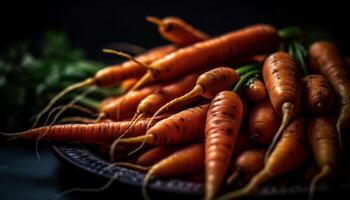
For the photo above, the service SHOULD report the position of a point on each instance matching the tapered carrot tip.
(148, 138)
(325, 171)
(154, 20)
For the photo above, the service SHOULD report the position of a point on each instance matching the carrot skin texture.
(255, 91)
(125, 106)
(263, 122)
(224, 118)
(290, 152)
(156, 154)
(283, 81)
(114, 74)
(323, 139)
(251, 40)
(128, 84)
(318, 94)
(90, 133)
(249, 163)
(327, 60)
(178, 31)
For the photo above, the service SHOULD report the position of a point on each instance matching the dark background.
(93, 24)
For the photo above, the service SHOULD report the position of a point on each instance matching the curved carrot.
(156, 154)
(247, 164)
(327, 60)
(322, 135)
(283, 83)
(318, 94)
(251, 40)
(223, 122)
(112, 75)
(123, 107)
(183, 127)
(178, 31)
(290, 152)
(255, 90)
(263, 122)
(150, 104)
(207, 85)
(182, 162)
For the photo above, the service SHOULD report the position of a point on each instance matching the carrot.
(322, 135)
(255, 90)
(207, 85)
(223, 122)
(90, 133)
(182, 162)
(183, 127)
(128, 84)
(112, 75)
(251, 40)
(177, 31)
(318, 94)
(247, 164)
(290, 152)
(283, 83)
(327, 60)
(263, 122)
(124, 107)
(242, 143)
(150, 104)
(156, 154)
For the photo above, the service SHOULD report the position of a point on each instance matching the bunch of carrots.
(238, 110)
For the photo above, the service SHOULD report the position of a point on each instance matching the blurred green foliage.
(28, 81)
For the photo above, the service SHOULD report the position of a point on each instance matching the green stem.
(300, 58)
(291, 32)
(246, 68)
(89, 102)
(243, 79)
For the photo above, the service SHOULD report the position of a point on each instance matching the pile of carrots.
(232, 111)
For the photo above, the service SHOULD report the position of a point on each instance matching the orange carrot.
(322, 135)
(247, 164)
(207, 85)
(251, 40)
(124, 107)
(263, 122)
(127, 84)
(223, 122)
(154, 101)
(327, 60)
(255, 90)
(90, 133)
(183, 127)
(290, 152)
(182, 162)
(283, 83)
(112, 75)
(177, 31)
(156, 154)
(318, 94)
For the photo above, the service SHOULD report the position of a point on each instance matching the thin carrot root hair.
(134, 120)
(257, 180)
(77, 119)
(145, 182)
(77, 189)
(233, 177)
(131, 166)
(196, 91)
(64, 108)
(87, 82)
(325, 171)
(148, 77)
(287, 109)
(75, 107)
